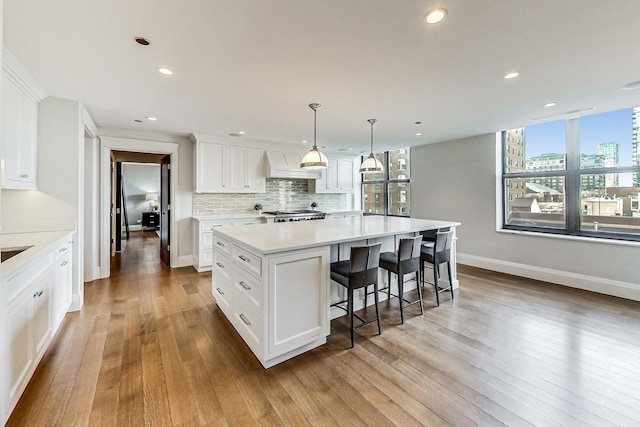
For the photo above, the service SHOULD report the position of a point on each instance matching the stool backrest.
(365, 257)
(409, 248)
(443, 245)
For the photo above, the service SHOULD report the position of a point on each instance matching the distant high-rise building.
(635, 142)
(514, 158)
(610, 151)
(548, 162)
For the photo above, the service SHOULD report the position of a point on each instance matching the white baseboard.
(184, 261)
(574, 280)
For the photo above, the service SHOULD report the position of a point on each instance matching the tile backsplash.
(281, 194)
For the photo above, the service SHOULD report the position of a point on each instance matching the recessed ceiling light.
(165, 71)
(511, 75)
(434, 16)
(551, 104)
(153, 119)
(142, 41)
(419, 134)
(304, 141)
(631, 86)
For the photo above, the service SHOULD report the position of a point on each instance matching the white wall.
(456, 180)
(139, 179)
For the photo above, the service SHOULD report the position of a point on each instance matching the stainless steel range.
(296, 215)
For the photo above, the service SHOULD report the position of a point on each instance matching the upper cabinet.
(339, 178)
(222, 168)
(20, 99)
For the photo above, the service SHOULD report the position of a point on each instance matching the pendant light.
(371, 164)
(314, 159)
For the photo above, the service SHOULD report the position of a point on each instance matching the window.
(577, 176)
(388, 193)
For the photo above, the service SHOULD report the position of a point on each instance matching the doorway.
(140, 194)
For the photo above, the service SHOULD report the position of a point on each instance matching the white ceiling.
(254, 66)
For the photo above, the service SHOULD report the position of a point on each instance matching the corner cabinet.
(339, 178)
(223, 168)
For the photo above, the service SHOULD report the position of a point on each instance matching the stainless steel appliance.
(296, 215)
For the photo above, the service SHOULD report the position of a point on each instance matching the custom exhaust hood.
(287, 165)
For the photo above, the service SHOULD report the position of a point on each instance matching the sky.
(615, 126)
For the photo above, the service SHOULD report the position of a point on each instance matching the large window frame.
(384, 180)
(573, 176)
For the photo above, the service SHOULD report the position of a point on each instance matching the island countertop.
(280, 237)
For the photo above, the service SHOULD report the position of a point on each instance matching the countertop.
(273, 238)
(39, 242)
(214, 217)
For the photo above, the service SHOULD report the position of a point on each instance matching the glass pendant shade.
(314, 159)
(371, 164)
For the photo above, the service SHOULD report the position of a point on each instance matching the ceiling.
(254, 66)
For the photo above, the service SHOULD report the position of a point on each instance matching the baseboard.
(574, 280)
(184, 261)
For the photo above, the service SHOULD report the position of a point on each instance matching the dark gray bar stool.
(406, 260)
(438, 254)
(360, 271)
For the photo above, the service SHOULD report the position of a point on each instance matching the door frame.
(107, 144)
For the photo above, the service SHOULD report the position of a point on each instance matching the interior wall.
(139, 180)
(457, 180)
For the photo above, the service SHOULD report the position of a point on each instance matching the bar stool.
(438, 254)
(406, 260)
(360, 271)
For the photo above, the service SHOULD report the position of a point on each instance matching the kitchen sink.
(8, 253)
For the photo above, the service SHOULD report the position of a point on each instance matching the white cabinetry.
(222, 168)
(204, 240)
(279, 304)
(20, 98)
(62, 282)
(28, 325)
(339, 178)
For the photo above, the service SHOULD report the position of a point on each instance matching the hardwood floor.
(151, 348)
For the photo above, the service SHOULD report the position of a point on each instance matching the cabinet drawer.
(208, 225)
(248, 261)
(221, 289)
(16, 283)
(248, 288)
(222, 244)
(206, 257)
(249, 324)
(206, 240)
(61, 249)
(222, 265)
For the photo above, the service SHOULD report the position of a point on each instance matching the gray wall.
(456, 180)
(139, 179)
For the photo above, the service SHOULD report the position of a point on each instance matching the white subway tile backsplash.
(281, 194)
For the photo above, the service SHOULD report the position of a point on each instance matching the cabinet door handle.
(220, 244)
(220, 264)
(38, 294)
(24, 175)
(245, 320)
(220, 291)
(244, 258)
(64, 263)
(244, 285)
(62, 249)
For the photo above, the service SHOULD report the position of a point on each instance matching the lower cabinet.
(203, 238)
(34, 300)
(279, 304)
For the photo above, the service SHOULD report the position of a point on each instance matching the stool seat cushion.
(389, 260)
(340, 272)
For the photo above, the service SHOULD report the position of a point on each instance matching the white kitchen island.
(272, 280)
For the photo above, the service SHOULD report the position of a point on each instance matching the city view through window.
(593, 191)
(388, 192)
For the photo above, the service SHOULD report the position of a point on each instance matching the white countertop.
(39, 242)
(229, 216)
(280, 237)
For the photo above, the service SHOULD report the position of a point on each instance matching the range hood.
(286, 165)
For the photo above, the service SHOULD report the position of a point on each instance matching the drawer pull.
(220, 264)
(220, 291)
(244, 258)
(244, 285)
(24, 175)
(245, 320)
(64, 263)
(220, 244)
(62, 249)
(38, 294)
